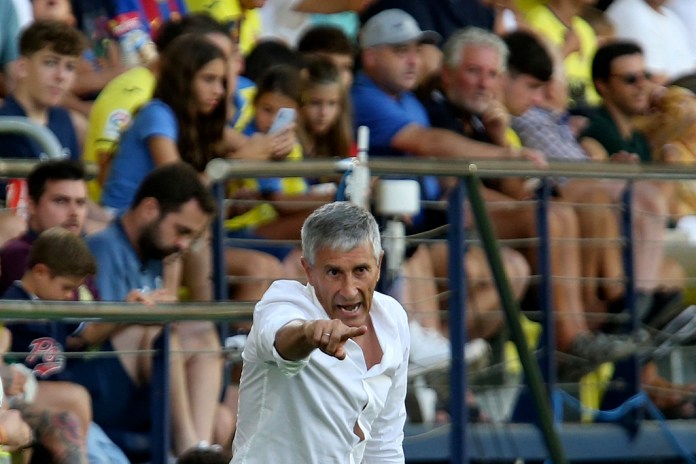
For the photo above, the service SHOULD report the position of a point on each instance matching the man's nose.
(348, 287)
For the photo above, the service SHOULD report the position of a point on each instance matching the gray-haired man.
(331, 355)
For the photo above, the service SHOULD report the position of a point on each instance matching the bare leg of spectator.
(65, 396)
(254, 270)
(59, 432)
(203, 364)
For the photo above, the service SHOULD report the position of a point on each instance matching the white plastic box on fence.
(397, 197)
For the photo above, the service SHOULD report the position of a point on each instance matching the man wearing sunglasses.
(621, 79)
(619, 75)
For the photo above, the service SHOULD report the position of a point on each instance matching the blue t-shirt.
(386, 116)
(133, 161)
(20, 146)
(119, 268)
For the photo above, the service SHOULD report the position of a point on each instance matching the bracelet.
(3, 435)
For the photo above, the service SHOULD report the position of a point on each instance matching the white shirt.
(305, 411)
(661, 35)
(686, 12)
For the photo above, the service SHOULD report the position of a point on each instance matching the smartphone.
(284, 117)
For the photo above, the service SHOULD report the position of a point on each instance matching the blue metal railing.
(468, 172)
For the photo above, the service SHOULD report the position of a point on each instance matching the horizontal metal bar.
(21, 168)
(126, 312)
(41, 134)
(483, 168)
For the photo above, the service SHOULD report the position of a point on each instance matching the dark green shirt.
(603, 129)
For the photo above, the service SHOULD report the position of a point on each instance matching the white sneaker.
(431, 350)
(428, 346)
(234, 346)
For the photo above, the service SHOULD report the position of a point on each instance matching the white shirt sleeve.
(280, 306)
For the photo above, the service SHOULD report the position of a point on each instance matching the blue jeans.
(100, 448)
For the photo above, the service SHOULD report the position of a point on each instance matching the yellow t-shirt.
(112, 112)
(244, 107)
(578, 65)
(245, 25)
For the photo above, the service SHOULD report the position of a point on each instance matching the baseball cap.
(394, 26)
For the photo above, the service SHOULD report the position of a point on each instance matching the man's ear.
(446, 77)
(31, 207)
(150, 208)
(41, 270)
(20, 68)
(379, 265)
(600, 87)
(369, 57)
(305, 265)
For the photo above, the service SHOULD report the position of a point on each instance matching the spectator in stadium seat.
(171, 208)
(45, 72)
(331, 43)
(474, 72)
(560, 22)
(60, 413)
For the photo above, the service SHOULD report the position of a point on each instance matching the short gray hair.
(473, 37)
(339, 226)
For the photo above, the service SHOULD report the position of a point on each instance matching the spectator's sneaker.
(430, 350)
(234, 345)
(589, 350)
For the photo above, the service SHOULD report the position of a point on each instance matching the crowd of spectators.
(152, 91)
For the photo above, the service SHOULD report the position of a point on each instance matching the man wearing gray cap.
(383, 101)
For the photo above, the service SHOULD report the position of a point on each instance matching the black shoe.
(589, 350)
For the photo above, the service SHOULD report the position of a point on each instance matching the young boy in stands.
(43, 74)
(60, 413)
(45, 71)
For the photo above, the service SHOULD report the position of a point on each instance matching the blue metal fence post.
(629, 370)
(633, 373)
(548, 357)
(457, 325)
(160, 440)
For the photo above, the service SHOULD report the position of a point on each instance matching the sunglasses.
(633, 78)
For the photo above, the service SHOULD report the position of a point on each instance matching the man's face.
(55, 288)
(627, 89)
(344, 282)
(475, 82)
(63, 203)
(393, 67)
(522, 92)
(48, 76)
(174, 232)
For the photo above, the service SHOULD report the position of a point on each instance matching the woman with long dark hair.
(184, 121)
